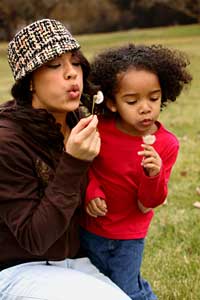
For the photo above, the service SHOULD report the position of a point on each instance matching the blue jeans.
(72, 279)
(120, 260)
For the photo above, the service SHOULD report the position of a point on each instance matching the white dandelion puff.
(149, 139)
(97, 99)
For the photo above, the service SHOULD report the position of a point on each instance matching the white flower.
(98, 98)
(149, 139)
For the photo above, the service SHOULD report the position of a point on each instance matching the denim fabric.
(71, 279)
(120, 260)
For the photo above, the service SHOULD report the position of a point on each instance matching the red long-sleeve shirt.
(117, 176)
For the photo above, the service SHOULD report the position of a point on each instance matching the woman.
(45, 152)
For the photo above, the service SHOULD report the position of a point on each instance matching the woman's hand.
(84, 141)
(151, 161)
(96, 208)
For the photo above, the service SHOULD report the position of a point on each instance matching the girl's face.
(137, 102)
(57, 86)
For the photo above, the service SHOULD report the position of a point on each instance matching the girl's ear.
(111, 105)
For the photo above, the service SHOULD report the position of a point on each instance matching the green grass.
(172, 252)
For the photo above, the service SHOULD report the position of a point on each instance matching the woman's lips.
(74, 92)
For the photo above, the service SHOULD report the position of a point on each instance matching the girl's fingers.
(97, 210)
(101, 204)
(95, 207)
(151, 160)
(90, 213)
(148, 151)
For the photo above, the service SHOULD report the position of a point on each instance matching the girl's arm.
(153, 189)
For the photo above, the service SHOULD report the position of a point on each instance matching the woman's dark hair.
(21, 91)
(39, 123)
(23, 96)
(168, 65)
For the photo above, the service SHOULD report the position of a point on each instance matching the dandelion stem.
(93, 104)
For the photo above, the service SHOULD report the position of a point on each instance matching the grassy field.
(172, 253)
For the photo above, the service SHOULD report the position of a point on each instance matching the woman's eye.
(76, 63)
(53, 66)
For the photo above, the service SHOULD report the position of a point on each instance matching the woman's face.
(58, 85)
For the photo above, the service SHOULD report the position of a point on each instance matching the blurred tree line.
(90, 16)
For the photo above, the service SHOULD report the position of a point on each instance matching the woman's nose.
(70, 73)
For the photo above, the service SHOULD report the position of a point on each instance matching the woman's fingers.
(84, 140)
(85, 127)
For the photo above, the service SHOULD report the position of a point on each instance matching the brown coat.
(39, 197)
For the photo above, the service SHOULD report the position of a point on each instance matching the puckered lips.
(74, 91)
(146, 122)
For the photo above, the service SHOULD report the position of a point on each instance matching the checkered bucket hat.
(37, 44)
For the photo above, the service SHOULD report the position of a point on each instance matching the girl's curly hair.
(169, 65)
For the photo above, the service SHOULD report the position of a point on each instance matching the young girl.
(130, 175)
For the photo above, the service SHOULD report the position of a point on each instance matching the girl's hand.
(142, 208)
(96, 207)
(84, 141)
(151, 161)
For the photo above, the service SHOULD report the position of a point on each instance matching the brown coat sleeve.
(36, 222)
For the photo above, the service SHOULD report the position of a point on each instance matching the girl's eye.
(131, 102)
(154, 98)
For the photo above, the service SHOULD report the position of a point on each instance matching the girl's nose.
(144, 108)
